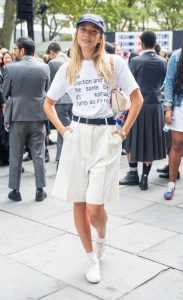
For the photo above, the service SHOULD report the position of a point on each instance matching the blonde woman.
(88, 172)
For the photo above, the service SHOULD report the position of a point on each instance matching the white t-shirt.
(91, 94)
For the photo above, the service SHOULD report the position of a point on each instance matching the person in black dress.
(146, 140)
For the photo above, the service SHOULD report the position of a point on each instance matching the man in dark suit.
(26, 83)
(64, 105)
(146, 139)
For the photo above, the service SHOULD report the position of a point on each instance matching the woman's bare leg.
(82, 224)
(86, 214)
(175, 155)
(98, 218)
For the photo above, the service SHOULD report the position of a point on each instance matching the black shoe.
(27, 158)
(22, 170)
(50, 142)
(132, 178)
(15, 196)
(57, 162)
(163, 170)
(143, 184)
(47, 157)
(40, 195)
(123, 152)
(166, 175)
(4, 163)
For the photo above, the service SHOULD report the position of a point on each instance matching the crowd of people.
(73, 91)
(5, 58)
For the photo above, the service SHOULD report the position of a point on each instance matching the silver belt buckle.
(87, 122)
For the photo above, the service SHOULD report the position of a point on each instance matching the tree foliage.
(60, 13)
(8, 23)
(169, 14)
(119, 15)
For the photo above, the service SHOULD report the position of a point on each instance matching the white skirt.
(177, 123)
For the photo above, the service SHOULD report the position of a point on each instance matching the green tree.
(119, 15)
(142, 14)
(70, 11)
(168, 14)
(8, 23)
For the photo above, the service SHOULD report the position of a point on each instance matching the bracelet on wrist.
(123, 134)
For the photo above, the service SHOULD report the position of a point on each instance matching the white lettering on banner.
(91, 91)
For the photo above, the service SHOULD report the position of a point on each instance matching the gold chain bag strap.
(120, 101)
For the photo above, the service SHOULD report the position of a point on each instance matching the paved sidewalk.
(41, 256)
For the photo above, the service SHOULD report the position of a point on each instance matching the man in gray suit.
(64, 105)
(26, 83)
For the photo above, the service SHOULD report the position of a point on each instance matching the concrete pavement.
(41, 256)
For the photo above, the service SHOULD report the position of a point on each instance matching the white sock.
(91, 255)
(133, 169)
(171, 184)
(101, 241)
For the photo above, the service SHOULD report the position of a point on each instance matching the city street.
(41, 256)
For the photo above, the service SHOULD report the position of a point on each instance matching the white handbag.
(120, 101)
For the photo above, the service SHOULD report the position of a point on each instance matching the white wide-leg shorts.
(89, 165)
(177, 123)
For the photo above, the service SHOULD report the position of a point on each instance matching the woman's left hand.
(3, 108)
(119, 133)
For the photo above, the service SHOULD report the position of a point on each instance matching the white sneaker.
(100, 249)
(93, 271)
(168, 195)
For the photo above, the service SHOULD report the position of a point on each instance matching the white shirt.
(91, 94)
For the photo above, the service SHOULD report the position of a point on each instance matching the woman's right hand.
(64, 129)
(168, 117)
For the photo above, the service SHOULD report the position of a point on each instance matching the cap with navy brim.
(94, 19)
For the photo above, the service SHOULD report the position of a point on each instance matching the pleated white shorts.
(89, 165)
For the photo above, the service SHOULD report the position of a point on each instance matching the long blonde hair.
(101, 64)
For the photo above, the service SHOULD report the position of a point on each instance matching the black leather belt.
(106, 121)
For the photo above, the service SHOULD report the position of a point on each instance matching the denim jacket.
(172, 99)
